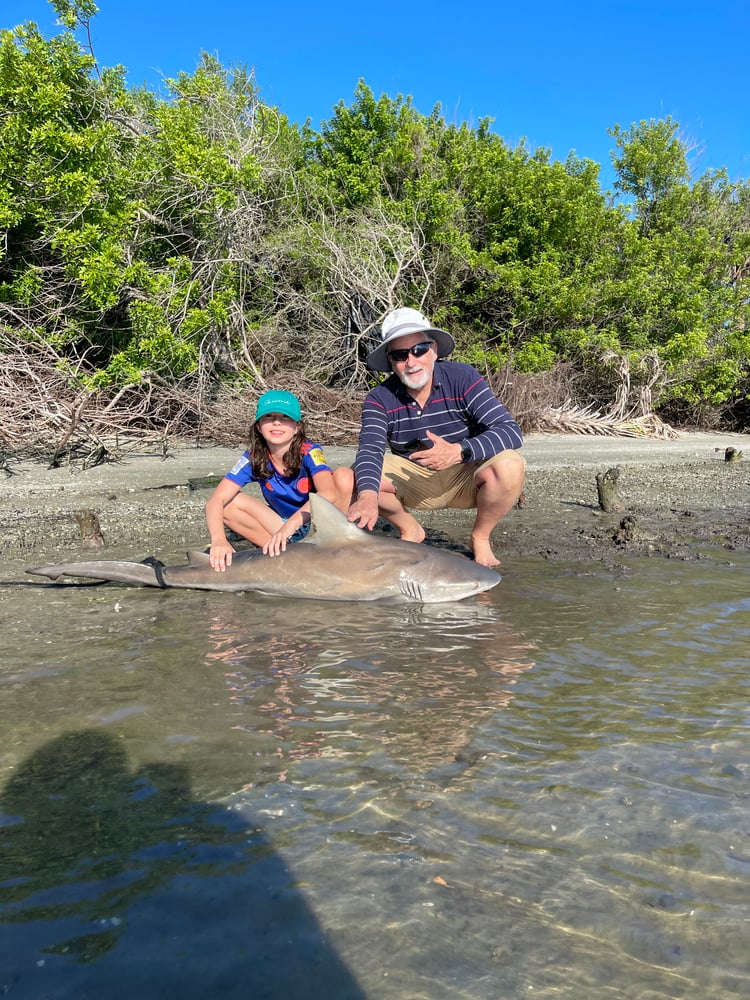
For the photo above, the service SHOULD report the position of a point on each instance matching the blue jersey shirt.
(284, 494)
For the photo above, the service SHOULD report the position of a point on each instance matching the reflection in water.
(416, 680)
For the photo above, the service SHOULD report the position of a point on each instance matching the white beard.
(416, 381)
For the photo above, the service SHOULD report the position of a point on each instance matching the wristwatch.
(466, 454)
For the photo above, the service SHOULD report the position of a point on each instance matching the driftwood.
(606, 486)
(572, 419)
(88, 525)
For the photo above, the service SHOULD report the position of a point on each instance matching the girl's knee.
(343, 483)
(343, 478)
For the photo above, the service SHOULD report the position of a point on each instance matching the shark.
(336, 562)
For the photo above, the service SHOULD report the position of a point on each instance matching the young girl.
(285, 464)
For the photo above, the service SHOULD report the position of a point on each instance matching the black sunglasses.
(419, 350)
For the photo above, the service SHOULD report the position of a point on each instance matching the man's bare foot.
(415, 535)
(408, 527)
(483, 553)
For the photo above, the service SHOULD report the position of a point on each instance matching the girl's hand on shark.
(277, 542)
(220, 556)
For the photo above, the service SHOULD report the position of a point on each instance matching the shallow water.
(543, 791)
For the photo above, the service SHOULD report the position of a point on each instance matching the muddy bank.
(680, 499)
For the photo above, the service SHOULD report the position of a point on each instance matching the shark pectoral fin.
(330, 525)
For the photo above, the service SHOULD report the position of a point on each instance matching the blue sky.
(558, 74)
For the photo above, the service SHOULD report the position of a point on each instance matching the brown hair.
(260, 457)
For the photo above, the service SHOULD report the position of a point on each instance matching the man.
(452, 442)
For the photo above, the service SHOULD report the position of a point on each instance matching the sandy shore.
(681, 499)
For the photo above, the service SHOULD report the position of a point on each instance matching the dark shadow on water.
(120, 884)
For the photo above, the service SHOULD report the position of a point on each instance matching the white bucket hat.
(400, 323)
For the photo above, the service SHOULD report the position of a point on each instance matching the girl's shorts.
(300, 533)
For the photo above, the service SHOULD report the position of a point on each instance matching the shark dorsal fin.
(197, 557)
(330, 525)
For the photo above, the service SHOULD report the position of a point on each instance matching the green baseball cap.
(279, 402)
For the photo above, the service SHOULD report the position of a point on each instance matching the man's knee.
(387, 487)
(508, 469)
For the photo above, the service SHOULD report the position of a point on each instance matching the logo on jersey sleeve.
(317, 456)
(240, 465)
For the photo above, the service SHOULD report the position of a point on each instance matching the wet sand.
(681, 499)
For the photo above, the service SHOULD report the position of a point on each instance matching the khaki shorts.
(422, 489)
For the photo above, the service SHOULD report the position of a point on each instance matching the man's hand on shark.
(364, 511)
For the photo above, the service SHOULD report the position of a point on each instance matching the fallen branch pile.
(50, 411)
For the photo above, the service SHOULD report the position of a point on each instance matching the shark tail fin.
(113, 571)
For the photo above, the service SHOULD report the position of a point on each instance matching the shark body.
(337, 562)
